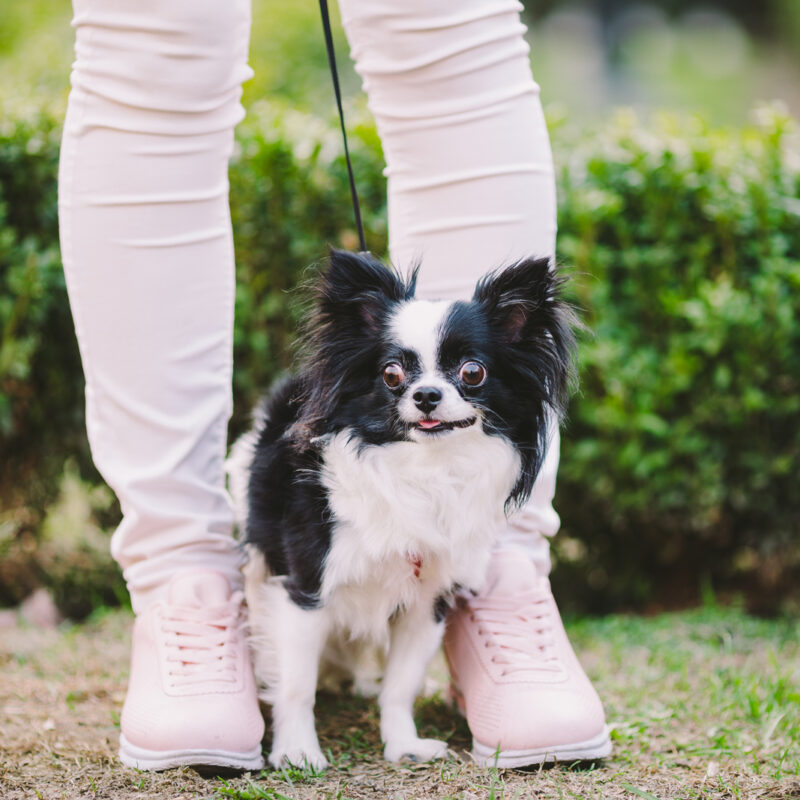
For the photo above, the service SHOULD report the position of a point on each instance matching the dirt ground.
(703, 705)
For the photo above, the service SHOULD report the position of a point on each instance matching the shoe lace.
(201, 642)
(519, 630)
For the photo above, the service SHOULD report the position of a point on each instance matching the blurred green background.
(679, 209)
(719, 57)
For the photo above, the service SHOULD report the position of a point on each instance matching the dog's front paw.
(415, 750)
(302, 757)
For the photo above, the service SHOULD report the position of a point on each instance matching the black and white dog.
(376, 480)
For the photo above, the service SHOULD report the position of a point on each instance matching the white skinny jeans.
(147, 244)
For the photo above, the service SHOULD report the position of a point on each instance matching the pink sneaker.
(515, 676)
(191, 695)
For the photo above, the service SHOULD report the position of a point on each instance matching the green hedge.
(680, 454)
(681, 458)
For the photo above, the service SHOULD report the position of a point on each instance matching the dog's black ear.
(520, 298)
(353, 299)
(359, 289)
(529, 316)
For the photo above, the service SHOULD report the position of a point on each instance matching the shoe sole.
(153, 760)
(597, 747)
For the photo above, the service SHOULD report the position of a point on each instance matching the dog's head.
(393, 368)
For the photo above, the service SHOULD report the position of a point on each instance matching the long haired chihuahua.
(376, 480)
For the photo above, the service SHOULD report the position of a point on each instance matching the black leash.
(326, 24)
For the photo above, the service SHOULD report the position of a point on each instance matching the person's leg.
(471, 188)
(470, 173)
(148, 255)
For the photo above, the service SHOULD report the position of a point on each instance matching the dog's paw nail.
(416, 752)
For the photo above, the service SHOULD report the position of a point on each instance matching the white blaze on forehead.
(416, 326)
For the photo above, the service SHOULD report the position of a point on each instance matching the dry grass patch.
(704, 704)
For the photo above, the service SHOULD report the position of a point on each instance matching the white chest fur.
(438, 502)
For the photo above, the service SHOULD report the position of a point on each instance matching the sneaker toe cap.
(211, 722)
(534, 718)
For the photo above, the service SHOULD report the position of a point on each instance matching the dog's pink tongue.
(429, 423)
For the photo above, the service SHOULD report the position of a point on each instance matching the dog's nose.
(427, 398)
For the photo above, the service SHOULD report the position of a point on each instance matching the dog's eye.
(472, 373)
(393, 375)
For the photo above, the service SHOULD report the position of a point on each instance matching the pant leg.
(470, 172)
(148, 255)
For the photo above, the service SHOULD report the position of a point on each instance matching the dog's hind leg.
(289, 641)
(357, 662)
(415, 637)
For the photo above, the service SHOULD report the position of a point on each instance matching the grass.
(703, 704)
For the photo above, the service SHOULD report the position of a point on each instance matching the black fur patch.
(441, 606)
(288, 518)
